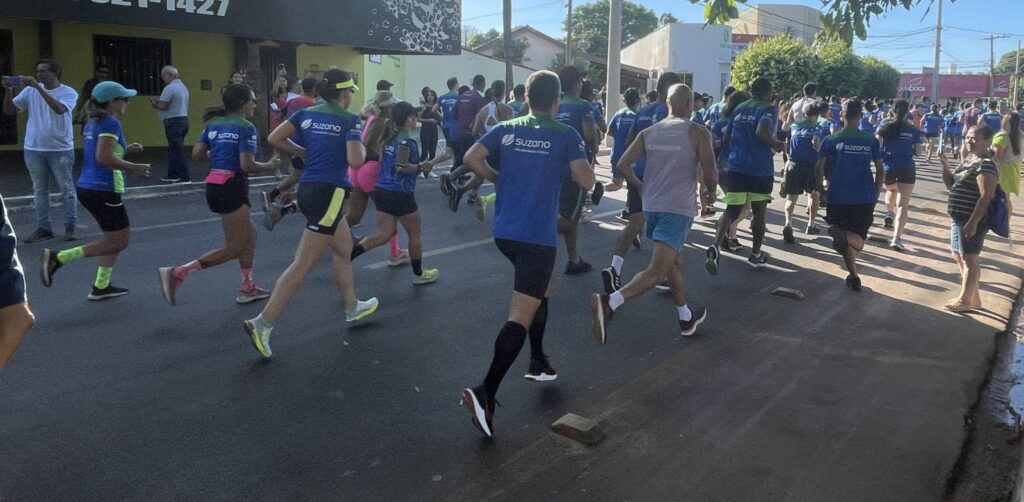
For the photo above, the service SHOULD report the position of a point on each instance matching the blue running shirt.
(228, 138)
(801, 141)
(95, 176)
(835, 111)
(933, 123)
(447, 103)
(535, 156)
(324, 130)
(748, 154)
(574, 112)
(898, 154)
(390, 179)
(992, 119)
(646, 117)
(620, 125)
(852, 154)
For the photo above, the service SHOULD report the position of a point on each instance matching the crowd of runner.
(675, 156)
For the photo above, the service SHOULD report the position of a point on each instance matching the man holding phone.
(172, 106)
(49, 142)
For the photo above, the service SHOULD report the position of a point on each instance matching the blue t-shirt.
(227, 138)
(865, 123)
(851, 154)
(390, 179)
(898, 153)
(535, 156)
(835, 115)
(715, 112)
(992, 119)
(748, 154)
(620, 125)
(801, 141)
(447, 103)
(598, 110)
(516, 105)
(646, 117)
(933, 123)
(697, 117)
(574, 112)
(324, 130)
(952, 123)
(95, 176)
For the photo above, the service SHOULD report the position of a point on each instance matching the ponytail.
(1011, 122)
(892, 130)
(234, 97)
(400, 113)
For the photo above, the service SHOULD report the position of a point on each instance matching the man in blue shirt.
(466, 109)
(804, 140)
(537, 155)
(932, 125)
(447, 102)
(578, 114)
(992, 118)
(951, 133)
(749, 173)
(715, 112)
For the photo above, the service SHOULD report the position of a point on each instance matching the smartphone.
(403, 155)
(13, 80)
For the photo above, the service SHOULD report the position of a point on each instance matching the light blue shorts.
(670, 229)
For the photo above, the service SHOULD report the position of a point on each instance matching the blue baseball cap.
(109, 90)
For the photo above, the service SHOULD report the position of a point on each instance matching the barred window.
(134, 62)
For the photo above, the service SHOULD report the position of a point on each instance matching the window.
(134, 62)
(687, 79)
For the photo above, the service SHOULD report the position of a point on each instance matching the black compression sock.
(273, 193)
(506, 348)
(417, 266)
(540, 321)
(357, 250)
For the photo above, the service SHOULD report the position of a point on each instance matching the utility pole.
(507, 47)
(568, 38)
(992, 62)
(614, 59)
(938, 46)
(1016, 76)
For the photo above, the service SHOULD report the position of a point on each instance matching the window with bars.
(134, 62)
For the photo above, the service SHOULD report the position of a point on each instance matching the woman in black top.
(429, 115)
(971, 188)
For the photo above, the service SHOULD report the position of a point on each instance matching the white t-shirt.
(798, 108)
(47, 131)
(176, 96)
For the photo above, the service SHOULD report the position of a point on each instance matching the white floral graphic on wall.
(417, 25)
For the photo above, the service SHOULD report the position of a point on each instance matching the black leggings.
(428, 136)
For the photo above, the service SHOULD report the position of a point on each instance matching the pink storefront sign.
(954, 86)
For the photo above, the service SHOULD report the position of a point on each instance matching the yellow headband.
(348, 84)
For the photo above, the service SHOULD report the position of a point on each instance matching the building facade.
(798, 21)
(701, 54)
(208, 40)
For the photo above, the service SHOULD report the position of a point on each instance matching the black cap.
(384, 85)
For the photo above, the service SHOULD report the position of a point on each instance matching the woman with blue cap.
(100, 186)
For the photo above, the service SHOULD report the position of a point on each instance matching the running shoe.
(896, 244)
(580, 267)
(732, 245)
(265, 200)
(481, 410)
(787, 235)
(813, 230)
(853, 282)
(612, 282)
(49, 265)
(107, 292)
(839, 241)
(260, 338)
(401, 259)
(446, 183)
(637, 242)
(428, 276)
(623, 216)
(251, 295)
(362, 310)
(454, 197)
(663, 286)
(697, 316)
(712, 263)
(41, 234)
(889, 220)
(540, 371)
(169, 284)
(595, 197)
(759, 260)
(602, 316)
(271, 216)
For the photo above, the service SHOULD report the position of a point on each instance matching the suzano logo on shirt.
(320, 126)
(843, 147)
(222, 136)
(508, 139)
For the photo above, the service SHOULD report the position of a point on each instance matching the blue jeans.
(58, 165)
(176, 129)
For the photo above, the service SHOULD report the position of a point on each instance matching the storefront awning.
(384, 26)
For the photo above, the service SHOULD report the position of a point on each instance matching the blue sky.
(886, 36)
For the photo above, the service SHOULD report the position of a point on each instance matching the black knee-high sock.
(417, 267)
(357, 249)
(506, 348)
(273, 193)
(540, 321)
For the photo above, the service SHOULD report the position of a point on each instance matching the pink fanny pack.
(219, 176)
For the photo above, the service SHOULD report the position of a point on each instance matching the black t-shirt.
(964, 194)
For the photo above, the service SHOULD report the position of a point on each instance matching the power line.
(529, 7)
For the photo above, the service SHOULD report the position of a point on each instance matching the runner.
(486, 119)
(732, 243)
(331, 135)
(715, 112)
(932, 125)
(852, 191)
(835, 113)
(867, 119)
(100, 186)
(465, 111)
(16, 318)
(797, 110)
(618, 129)
(677, 150)
(900, 143)
(518, 98)
(578, 114)
(951, 131)
(538, 155)
(272, 210)
(447, 102)
(992, 118)
(395, 196)
(804, 140)
(1007, 148)
(750, 170)
(971, 187)
(970, 117)
(229, 143)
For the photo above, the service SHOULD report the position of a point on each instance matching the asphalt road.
(841, 396)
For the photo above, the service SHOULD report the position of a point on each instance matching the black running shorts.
(570, 202)
(12, 277)
(229, 197)
(634, 201)
(397, 204)
(106, 207)
(533, 264)
(893, 176)
(800, 177)
(321, 204)
(856, 218)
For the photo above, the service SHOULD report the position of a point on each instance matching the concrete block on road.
(791, 293)
(577, 428)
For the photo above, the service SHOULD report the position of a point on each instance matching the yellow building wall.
(25, 37)
(322, 58)
(390, 68)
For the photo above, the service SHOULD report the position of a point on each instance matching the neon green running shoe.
(428, 276)
(260, 338)
(362, 310)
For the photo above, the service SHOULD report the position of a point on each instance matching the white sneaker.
(401, 259)
(362, 310)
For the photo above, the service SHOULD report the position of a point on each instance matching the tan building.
(801, 22)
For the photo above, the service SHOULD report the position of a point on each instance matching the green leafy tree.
(667, 18)
(786, 62)
(841, 72)
(590, 23)
(881, 80)
(479, 39)
(1006, 65)
(517, 48)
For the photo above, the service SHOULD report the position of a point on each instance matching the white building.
(541, 48)
(800, 22)
(434, 71)
(701, 54)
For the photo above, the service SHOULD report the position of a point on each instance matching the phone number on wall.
(200, 7)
